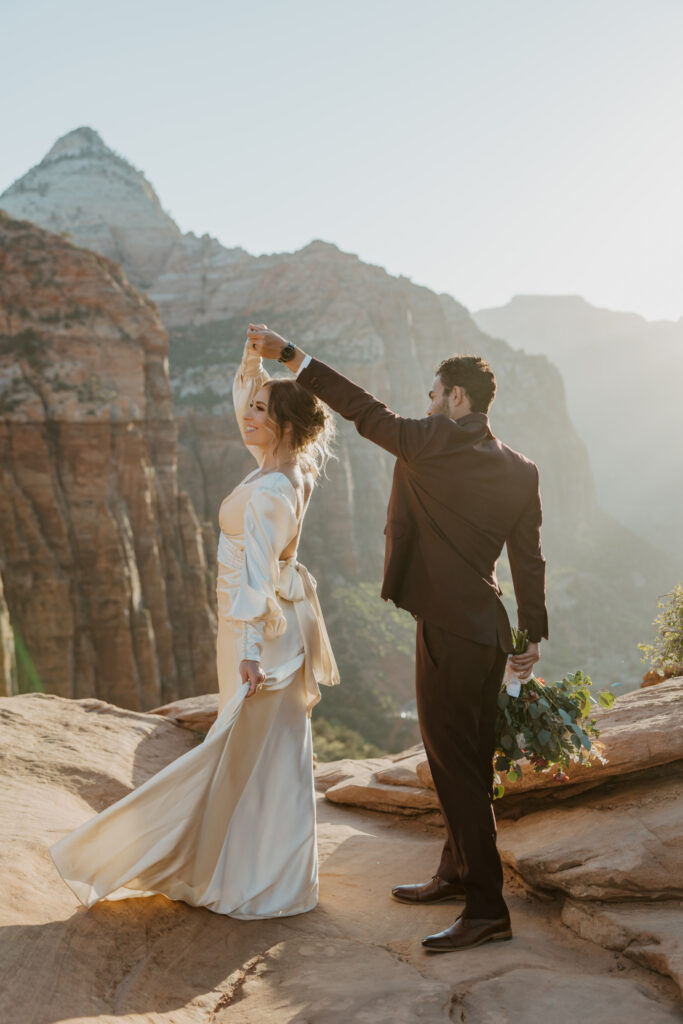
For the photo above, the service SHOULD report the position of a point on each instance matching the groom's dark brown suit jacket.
(458, 495)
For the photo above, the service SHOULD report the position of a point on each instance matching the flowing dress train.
(230, 825)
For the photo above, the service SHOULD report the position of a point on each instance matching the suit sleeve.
(405, 438)
(527, 565)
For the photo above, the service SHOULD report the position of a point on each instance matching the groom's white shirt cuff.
(303, 366)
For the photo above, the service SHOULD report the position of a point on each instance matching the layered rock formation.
(356, 957)
(389, 334)
(103, 561)
(622, 374)
(8, 664)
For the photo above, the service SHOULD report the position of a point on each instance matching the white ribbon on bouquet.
(513, 683)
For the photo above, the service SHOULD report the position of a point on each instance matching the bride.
(230, 825)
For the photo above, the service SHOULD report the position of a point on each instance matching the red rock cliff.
(103, 561)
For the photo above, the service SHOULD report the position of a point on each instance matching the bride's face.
(259, 429)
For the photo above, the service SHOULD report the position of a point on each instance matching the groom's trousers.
(458, 682)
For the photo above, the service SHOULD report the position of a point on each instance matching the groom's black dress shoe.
(466, 934)
(433, 891)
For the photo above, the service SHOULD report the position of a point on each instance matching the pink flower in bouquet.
(561, 777)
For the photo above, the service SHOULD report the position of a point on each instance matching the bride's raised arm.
(250, 378)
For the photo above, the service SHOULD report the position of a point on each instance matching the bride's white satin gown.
(230, 825)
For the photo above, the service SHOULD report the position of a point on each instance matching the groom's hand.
(522, 664)
(269, 345)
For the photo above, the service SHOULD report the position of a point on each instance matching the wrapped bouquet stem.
(548, 724)
(511, 680)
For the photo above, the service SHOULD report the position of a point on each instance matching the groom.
(458, 495)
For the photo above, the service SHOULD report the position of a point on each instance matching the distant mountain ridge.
(570, 321)
(389, 335)
(623, 376)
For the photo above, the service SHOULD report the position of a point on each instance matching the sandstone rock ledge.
(612, 836)
(614, 852)
(356, 958)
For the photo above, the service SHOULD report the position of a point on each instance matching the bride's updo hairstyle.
(312, 424)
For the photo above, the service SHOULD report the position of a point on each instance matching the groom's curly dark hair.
(474, 375)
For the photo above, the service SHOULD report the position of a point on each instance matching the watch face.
(287, 353)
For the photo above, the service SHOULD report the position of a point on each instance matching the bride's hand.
(267, 343)
(252, 673)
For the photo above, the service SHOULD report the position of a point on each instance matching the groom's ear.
(459, 399)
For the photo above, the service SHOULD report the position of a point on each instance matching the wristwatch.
(287, 353)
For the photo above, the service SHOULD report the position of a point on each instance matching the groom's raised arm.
(399, 435)
(403, 437)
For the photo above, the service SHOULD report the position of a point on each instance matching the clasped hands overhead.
(267, 343)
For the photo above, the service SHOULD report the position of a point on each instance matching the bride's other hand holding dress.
(252, 673)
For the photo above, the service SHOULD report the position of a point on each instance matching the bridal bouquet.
(549, 724)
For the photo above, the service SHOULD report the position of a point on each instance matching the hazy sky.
(482, 148)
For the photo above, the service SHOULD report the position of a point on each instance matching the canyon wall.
(103, 561)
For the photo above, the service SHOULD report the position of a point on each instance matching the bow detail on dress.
(290, 585)
(296, 584)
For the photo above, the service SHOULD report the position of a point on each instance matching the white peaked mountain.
(624, 378)
(86, 189)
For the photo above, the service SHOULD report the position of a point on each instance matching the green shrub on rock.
(665, 655)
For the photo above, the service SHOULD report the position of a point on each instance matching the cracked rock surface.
(621, 843)
(356, 958)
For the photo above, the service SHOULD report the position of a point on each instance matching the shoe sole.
(428, 903)
(502, 937)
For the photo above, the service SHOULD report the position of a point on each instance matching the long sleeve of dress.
(270, 524)
(250, 378)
